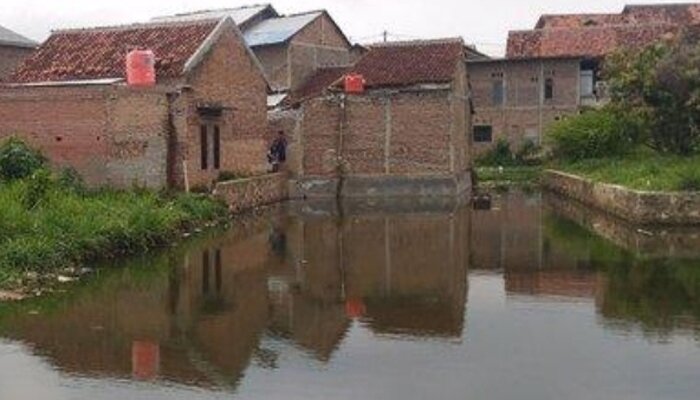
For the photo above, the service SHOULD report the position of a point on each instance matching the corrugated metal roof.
(240, 15)
(9, 38)
(278, 30)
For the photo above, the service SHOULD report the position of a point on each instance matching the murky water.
(502, 299)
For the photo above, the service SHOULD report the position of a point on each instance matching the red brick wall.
(229, 77)
(525, 114)
(121, 136)
(108, 135)
(319, 138)
(385, 134)
(10, 58)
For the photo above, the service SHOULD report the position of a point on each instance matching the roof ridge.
(418, 42)
(659, 5)
(628, 26)
(223, 9)
(303, 13)
(139, 25)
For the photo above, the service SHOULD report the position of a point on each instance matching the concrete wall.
(525, 113)
(110, 135)
(245, 194)
(10, 58)
(643, 208)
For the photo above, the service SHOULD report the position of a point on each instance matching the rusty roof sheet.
(100, 53)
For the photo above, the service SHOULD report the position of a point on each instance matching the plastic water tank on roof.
(354, 83)
(141, 68)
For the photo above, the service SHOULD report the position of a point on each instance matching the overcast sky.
(482, 22)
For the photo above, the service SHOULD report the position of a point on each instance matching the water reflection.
(318, 280)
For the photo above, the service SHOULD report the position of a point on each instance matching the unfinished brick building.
(205, 114)
(555, 70)
(290, 47)
(405, 133)
(14, 48)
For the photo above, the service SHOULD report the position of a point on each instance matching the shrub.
(594, 134)
(37, 187)
(689, 183)
(528, 154)
(18, 161)
(500, 156)
(70, 179)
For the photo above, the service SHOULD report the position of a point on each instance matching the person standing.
(278, 152)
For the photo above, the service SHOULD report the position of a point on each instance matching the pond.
(519, 295)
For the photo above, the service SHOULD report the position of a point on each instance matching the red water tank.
(354, 83)
(141, 68)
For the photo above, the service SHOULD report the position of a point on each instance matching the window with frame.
(498, 92)
(210, 146)
(483, 134)
(549, 88)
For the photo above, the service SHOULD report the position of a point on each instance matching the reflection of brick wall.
(245, 194)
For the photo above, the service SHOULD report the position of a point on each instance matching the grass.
(508, 174)
(641, 170)
(67, 228)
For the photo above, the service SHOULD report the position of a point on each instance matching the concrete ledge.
(649, 241)
(245, 194)
(380, 186)
(638, 207)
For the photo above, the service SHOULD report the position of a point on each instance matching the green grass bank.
(641, 170)
(46, 227)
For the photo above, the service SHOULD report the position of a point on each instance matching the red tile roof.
(682, 14)
(393, 64)
(586, 42)
(100, 52)
(410, 63)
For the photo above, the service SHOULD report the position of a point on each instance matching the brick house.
(555, 70)
(14, 48)
(407, 133)
(206, 113)
(289, 47)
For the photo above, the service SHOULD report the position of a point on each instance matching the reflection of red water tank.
(145, 360)
(141, 68)
(355, 308)
(354, 83)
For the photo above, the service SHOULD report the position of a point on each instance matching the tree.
(661, 84)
